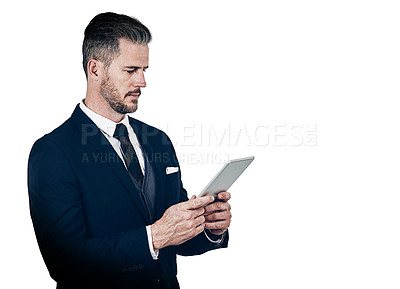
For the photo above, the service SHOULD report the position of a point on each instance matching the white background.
(319, 211)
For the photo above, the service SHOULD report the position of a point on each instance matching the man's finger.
(217, 225)
(217, 206)
(224, 196)
(198, 212)
(218, 216)
(199, 220)
(199, 202)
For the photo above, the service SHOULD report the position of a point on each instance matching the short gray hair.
(101, 41)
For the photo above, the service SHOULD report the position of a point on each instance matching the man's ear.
(93, 69)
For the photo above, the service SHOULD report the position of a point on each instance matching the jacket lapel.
(91, 134)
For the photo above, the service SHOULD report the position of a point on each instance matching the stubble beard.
(112, 96)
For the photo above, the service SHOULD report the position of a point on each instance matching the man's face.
(124, 78)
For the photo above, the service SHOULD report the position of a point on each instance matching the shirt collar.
(104, 124)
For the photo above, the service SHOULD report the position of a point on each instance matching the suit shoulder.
(58, 137)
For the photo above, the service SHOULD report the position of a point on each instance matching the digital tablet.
(229, 173)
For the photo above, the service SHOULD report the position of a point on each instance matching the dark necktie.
(130, 157)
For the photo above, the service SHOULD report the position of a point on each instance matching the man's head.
(115, 56)
(102, 36)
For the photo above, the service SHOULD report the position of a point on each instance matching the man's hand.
(180, 222)
(218, 214)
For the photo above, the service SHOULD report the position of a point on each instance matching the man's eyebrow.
(132, 66)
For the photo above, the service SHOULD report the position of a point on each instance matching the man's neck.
(100, 106)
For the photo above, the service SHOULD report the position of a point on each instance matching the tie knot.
(120, 132)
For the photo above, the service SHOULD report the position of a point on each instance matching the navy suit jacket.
(90, 216)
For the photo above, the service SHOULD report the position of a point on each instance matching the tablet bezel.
(222, 181)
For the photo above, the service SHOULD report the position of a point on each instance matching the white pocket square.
(171, 170)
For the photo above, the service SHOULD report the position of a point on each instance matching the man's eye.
(131, 71)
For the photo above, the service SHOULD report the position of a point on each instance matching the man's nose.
(139, 80)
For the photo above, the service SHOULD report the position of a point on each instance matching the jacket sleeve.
(59, 223)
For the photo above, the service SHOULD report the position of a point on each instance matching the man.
(106, 197)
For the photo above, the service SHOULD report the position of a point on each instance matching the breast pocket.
(173, 179)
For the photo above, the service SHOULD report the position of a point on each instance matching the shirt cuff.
(218, 241)
(154, 253)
